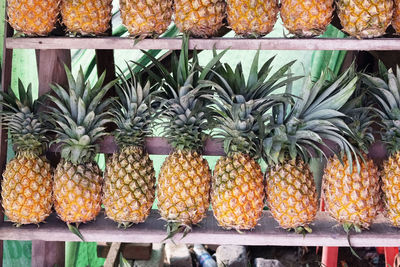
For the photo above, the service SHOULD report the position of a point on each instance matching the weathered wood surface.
(205, 44)
(48, 254)
(156, 146)
(325, 233)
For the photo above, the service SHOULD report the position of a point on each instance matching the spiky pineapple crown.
(79, 116)
(359, 118)
(300, 130)
(132, 111)
(240, 104)
(183, 113)
(22, 119)
(386, 91)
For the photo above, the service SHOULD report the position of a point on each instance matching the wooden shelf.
(157, 146)
(325, 233)
(203, 44)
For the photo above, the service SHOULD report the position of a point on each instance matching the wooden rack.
(53, 52)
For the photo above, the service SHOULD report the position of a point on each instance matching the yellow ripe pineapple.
(306, 18)
(183, 189)
(37, 17)
(27, 180)
(86, 16)
(352, 198)
(78, 118)
(201, 18)
(293, 135)
(386, 90)
(351, 186)
(129, 180)
(365, 18)
(252, 18)
(237, 193)
(143, 17)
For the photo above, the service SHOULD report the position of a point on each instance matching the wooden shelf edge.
(156, 146)
(325, 233)
(203, 44)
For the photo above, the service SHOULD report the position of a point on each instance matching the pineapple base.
(27, 189)
(129, 186)
(252, 18)
(183, 190)
(291, 195)
(350, 197)
(33, 17)
(306, 19)
(237, 192)
(77, 191)
(390, 187)
(199, 18)
(86, 17)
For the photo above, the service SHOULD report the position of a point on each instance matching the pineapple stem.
(347, 228)
(174, 227)
(304, 229)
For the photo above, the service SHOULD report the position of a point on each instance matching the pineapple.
(129, 179)
(252, 18)
(201, 18)
(33, 17)
(184, 181)
(294, 134)
(396, 16)
(387, 93)
(237, 193)
(146, 18)
(86, 16)
(365, 18)
(306, 18)
(352, 193)
(78, 118)
(27, 180)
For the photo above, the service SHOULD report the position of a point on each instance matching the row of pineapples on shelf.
(256, 117)
(204, 18)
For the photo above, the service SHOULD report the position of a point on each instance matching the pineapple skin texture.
(33, 17)
(146, 17)
(390, 186)
(27, 190)
(129, 185)
(86, 16)
(183, 189)
(251, 17)
(365, 18)
(291, 194)
(306, 18)
(396, 16)
(352, 198)
(77, 191)
(201, 18)
(237, 192)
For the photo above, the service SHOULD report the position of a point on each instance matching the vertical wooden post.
(50, 64)
(5, 84)
(48, 254)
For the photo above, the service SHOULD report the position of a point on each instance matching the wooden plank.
(156, 146)
(206, 44)
(48, 254)
(325, 233)
(113, 254)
